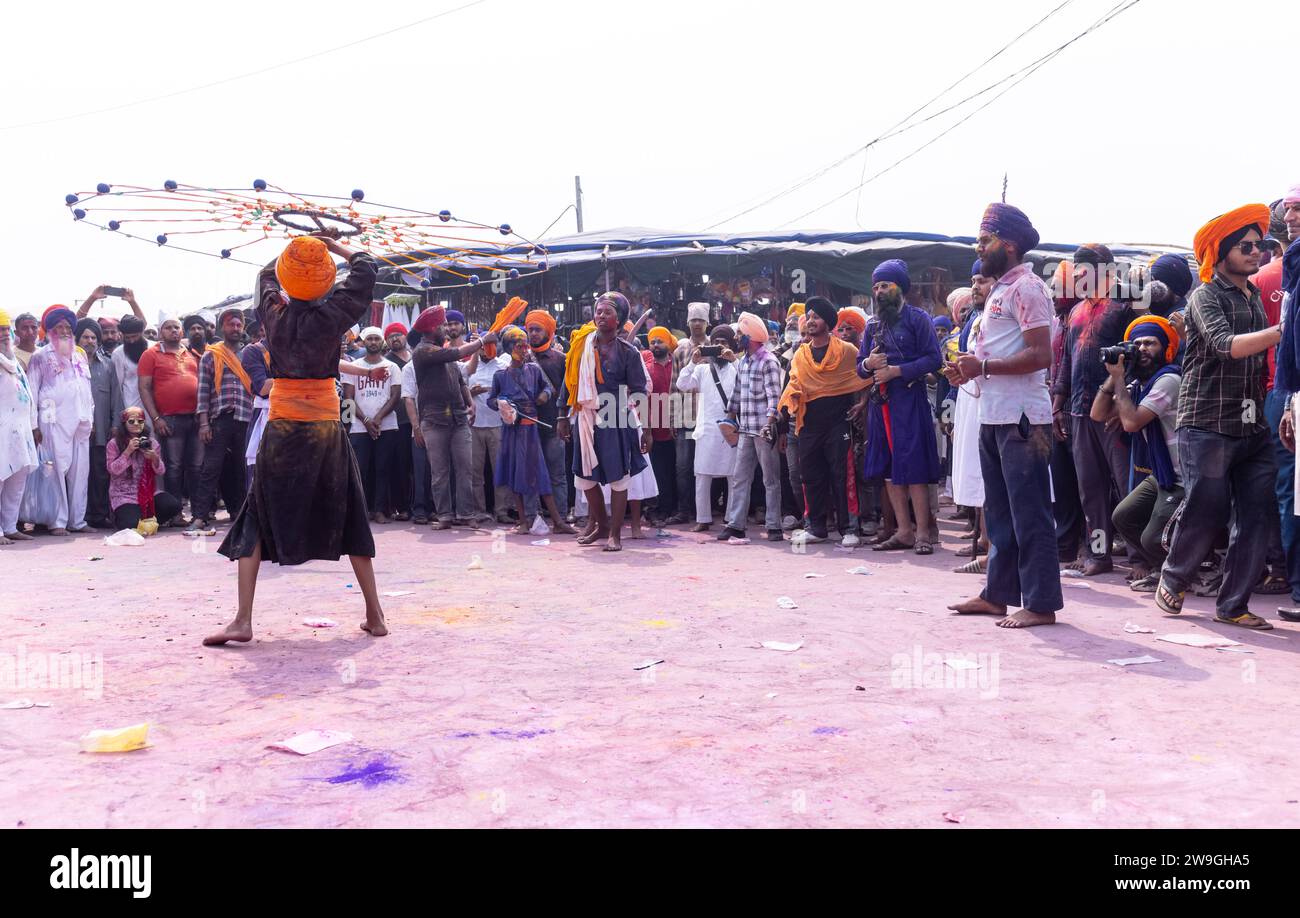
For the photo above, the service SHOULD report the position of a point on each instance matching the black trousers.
(377, 460)
(663, 459)
(401, 489)
(97, 507)
(223, 466)
(823, 452)
(127, 516)
(1066, 509)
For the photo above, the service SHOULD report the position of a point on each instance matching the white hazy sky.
(676, 113)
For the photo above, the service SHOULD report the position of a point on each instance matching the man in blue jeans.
(1013, 351)
(1224, 444)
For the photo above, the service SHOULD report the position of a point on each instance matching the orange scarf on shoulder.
(837, 374)
(224, 358)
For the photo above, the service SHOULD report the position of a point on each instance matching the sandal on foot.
(1167, 601)
(1272, 585)
(892, 544)
(967, 551)
(1246, 620)
(1148, 584)
(923, 547)
(971, 567)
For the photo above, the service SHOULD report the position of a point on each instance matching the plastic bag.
(147, 527)
(44, 491)
(124, 538)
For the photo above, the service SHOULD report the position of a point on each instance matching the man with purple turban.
(898, 351)
(1013, 351)
(59, 377)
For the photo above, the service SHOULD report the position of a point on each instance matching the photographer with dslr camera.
(135, 467)
(1142, 392)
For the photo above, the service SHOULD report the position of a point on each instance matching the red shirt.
(1269, 281)
(661, 382)
(175, 379)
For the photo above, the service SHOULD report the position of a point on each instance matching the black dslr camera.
(1126, 349)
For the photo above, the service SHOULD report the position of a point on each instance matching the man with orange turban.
(663, 419)
(1224, 445)
(1142, 394)
(307, 501)
(540, 326)
(850, 325)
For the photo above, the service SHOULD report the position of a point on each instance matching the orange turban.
(1208, 237)
(305, 268)
(1155, 324)
(659, 333)
(849, 317)
(541, 317)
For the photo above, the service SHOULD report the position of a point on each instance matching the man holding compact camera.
(1142, 394)
(1100, 456)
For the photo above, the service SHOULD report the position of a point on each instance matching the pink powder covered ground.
(511, 695)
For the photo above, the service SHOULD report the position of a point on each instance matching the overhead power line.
(1114, 11)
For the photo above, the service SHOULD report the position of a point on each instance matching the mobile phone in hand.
(118, 292)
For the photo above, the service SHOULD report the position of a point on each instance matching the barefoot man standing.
(1012, 353)
(307, 501)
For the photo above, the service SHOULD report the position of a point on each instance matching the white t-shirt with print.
(372, 393)
(1019, 301)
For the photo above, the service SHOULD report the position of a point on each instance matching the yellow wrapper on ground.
(127, 739)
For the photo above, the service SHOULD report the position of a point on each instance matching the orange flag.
(508, 315)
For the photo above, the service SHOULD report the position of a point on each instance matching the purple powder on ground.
(372, 774)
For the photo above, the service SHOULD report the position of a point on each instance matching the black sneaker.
(775, 535)
(729, 533)
(1290, 615)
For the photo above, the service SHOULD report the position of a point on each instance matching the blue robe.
(912, 346)
(617, 444)
(520, 463)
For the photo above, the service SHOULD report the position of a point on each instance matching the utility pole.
(577, 195)
(1004, 190)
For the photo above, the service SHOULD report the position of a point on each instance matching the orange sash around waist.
(304, 400)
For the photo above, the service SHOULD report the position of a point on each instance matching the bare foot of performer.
(304, 441)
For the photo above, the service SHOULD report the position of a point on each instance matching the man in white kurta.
(714, 456)
(17, 445)
(59, 377)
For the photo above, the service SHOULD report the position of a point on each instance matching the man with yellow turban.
(307, 501)
(1224, 445)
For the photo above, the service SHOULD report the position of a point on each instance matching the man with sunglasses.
(1224, 446)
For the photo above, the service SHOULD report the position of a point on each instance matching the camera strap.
(717, 381)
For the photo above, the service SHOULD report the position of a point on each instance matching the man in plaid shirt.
(753, 408)
(225, 408)
(1224, 444)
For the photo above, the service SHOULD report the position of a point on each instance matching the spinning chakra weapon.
(431, 250)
